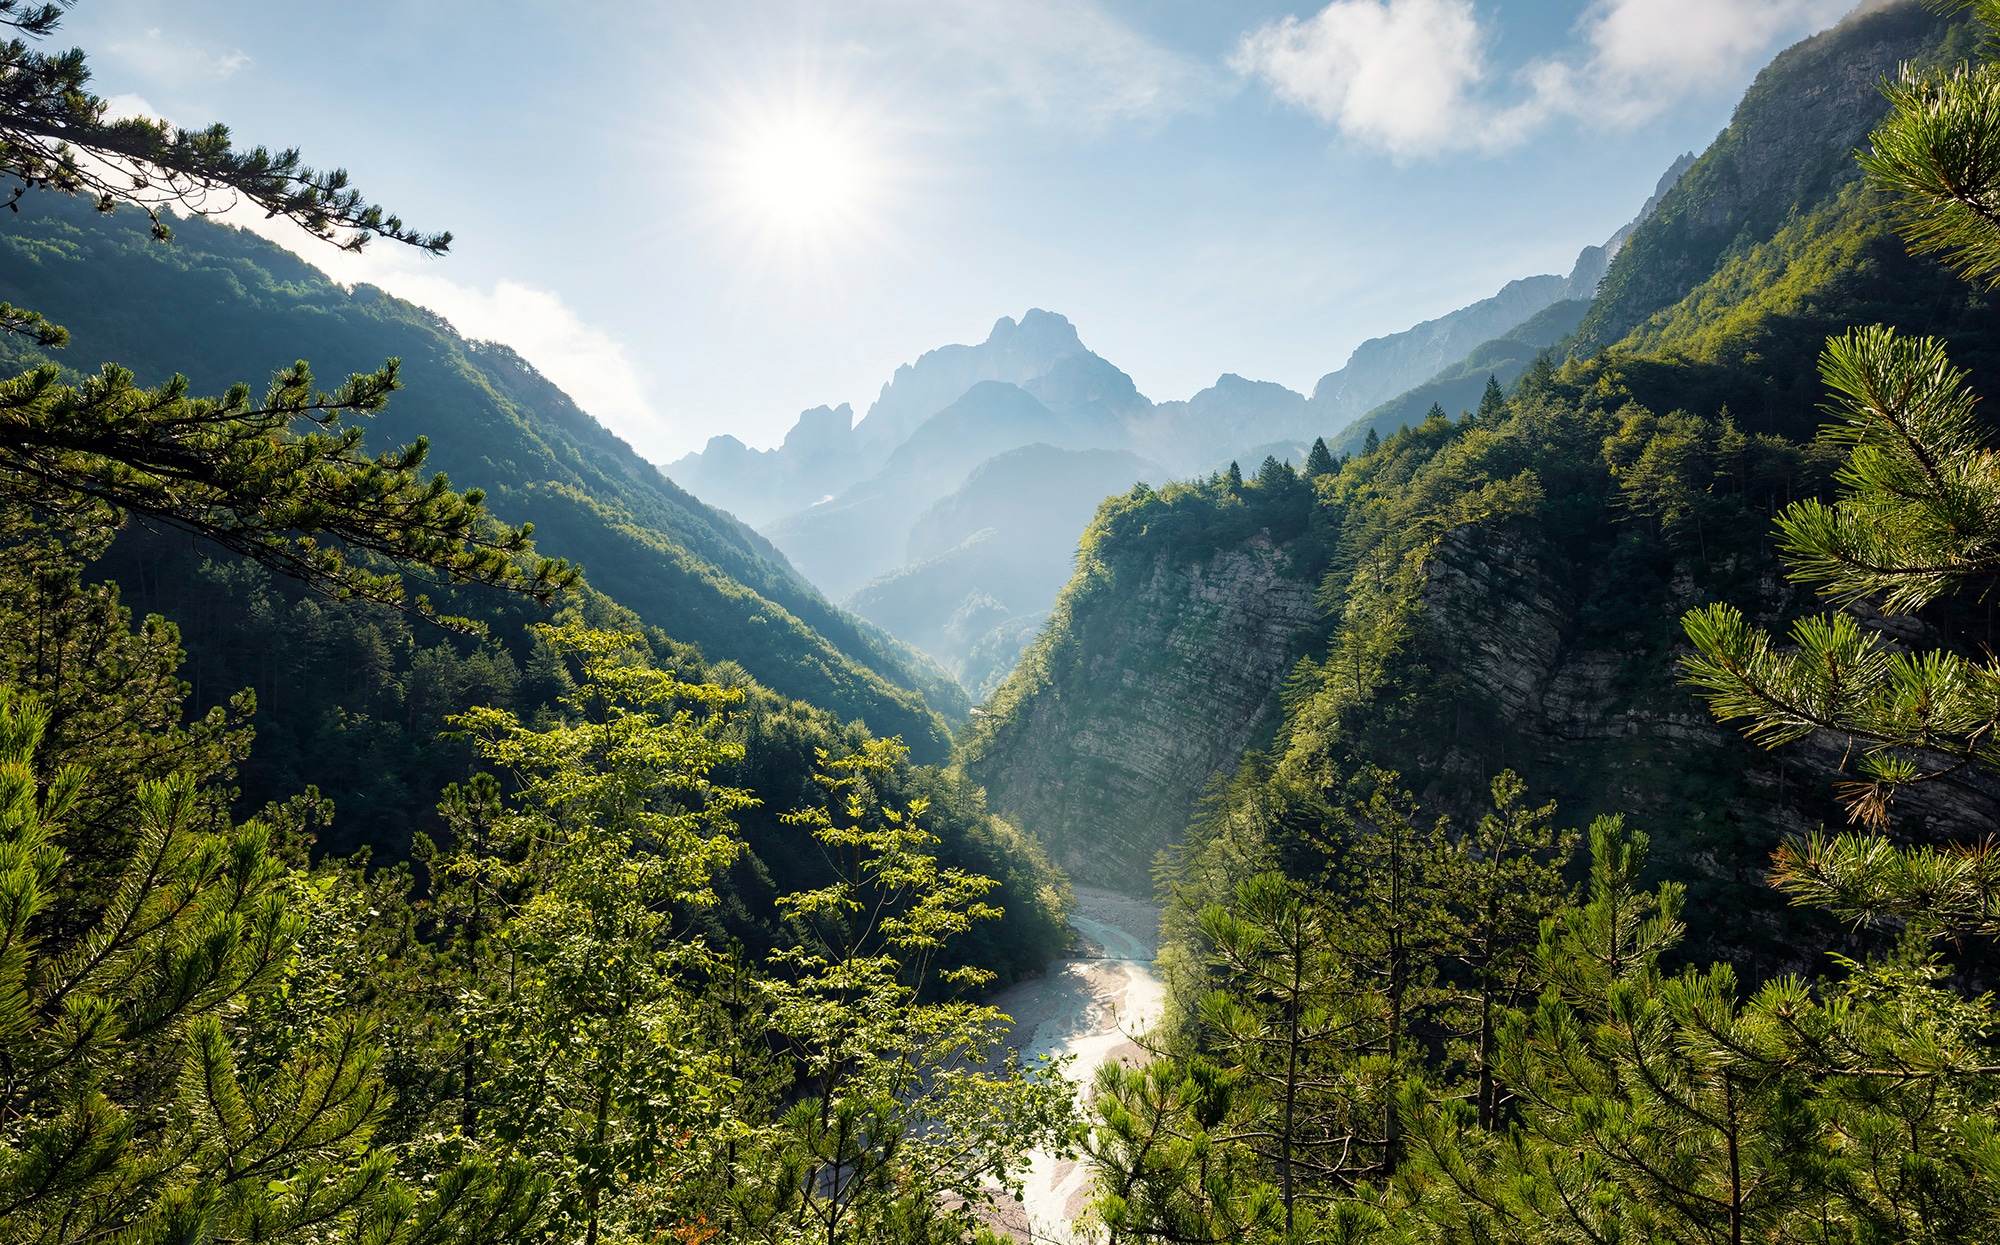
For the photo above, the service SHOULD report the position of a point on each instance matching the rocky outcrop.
(1570, 693)
(1165, 677)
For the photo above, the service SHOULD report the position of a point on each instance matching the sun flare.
(799, 175)
(803, 175)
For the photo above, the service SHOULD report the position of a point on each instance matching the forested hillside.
(1502, 591)
(843, 498)
(1611, 859)
(388, 881)
(220, 305)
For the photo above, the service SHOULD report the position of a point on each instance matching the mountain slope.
(1505, 592)
(223, 306)
(992, 556)
(1789, 148)
(1458, 388)
(1382, 367)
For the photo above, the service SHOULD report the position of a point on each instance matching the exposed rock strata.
(1184, 668)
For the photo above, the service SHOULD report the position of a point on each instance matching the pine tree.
(1370, 444)
(1232, 479)
(1500, 881)
(55, 135)
(1639, 1117)
(1164, 1173)
(1938, 154)
(136, 1106)
(1917, 519)
(1492, 402)
(1279, 1017)
(1319, 462)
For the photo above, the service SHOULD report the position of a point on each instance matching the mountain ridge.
(699, 573)
(1503, 591)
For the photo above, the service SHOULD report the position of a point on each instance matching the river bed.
(1091, 1007)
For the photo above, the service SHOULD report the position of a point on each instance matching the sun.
(801, 175)
(804, 175)
(807, 183)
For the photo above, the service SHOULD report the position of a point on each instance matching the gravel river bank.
(1091, 1007)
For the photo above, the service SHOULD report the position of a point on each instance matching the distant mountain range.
(854, 506)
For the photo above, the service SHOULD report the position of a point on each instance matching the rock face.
(1573, 695)
(1183, 661)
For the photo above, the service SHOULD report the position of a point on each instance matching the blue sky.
(702, 218)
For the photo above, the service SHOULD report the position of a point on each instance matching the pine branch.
(56, 135)
(247, 478)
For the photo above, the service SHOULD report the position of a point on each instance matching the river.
(1089, 1007)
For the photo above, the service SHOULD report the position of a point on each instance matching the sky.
(703, 218)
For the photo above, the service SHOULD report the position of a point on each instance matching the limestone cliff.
(1161, 664)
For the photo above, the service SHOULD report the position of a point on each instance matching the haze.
(702, 219)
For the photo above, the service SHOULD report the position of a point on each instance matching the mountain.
(1791, 143)
(1228, 419)
(224, 306)
(865, 530)
(1382, 367)
(1504, 592)
(985, 562)
(1352, 399)
(826, 452)
(840, 498)
(351, 699)
(1459, 387)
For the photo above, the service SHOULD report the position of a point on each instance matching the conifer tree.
(1163, 1173)
(1917, 519)
(135, 1108)
(1370, 444)
(1281, 1018)
(1500, 881)
(1492, 402)
(56, 135)
(1319, 461)
(1627, 1128)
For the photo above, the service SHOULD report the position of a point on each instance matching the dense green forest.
(221, 305)
(380, 878)
(423, 824)
(1502, 933)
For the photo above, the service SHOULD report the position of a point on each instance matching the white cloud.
(177, 61)
(585, 362)
(1645, 54)
(124, 107)
(1411, 77)
(1397, 74)
(1064, 61)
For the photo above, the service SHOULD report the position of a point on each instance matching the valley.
(1537, 786)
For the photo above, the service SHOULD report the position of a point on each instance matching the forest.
(370, 874)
